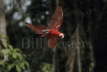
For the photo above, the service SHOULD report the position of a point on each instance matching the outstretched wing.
(57, 19)
(36, 28)
(52, 42)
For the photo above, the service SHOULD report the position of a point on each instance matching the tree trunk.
(2, 23)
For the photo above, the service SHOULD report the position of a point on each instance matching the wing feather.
(57, 19)
(36, 28)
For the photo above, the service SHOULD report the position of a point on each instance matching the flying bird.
(52, 32)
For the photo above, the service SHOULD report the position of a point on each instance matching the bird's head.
(61, 35)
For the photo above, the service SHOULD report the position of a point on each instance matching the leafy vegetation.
(47, 68)
(11, 58)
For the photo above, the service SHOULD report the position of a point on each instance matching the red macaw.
(52, 31)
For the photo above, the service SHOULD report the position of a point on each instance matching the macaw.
(52, 31)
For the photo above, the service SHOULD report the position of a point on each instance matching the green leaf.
(2, 62)
(10, 66)
(22, 65)
(10, 47)
(17, 55)
(18, 69)
(5, 51)
(26, 64)
(14, 55)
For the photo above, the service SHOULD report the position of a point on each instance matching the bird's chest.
(54, 33)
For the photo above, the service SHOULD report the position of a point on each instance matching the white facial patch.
(61, 35)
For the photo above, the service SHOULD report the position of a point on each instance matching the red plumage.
(52, 31)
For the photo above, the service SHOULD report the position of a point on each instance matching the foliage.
(11, 58)
(47, 68)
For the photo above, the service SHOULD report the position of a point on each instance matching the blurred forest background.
(82, 50)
